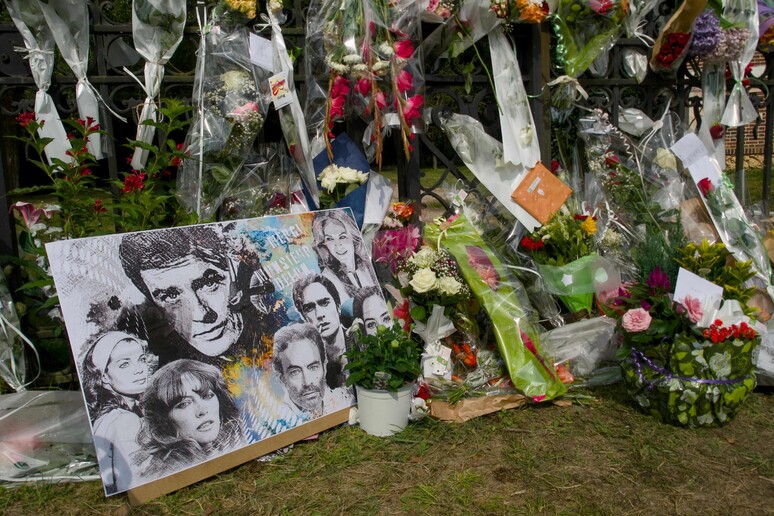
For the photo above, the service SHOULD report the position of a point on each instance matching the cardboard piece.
(146, 493)
(470, 408)
(541, 193)
(201, 347)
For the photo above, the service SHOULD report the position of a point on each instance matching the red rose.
(717, 131)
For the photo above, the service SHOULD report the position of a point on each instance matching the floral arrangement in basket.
(678, 366)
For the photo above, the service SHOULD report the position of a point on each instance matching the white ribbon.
(201, 20)
(5, 324)
(577, 88)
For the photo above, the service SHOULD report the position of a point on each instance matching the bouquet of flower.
(261, 187)
(503, 300)
(230, 107)
(431, 277)
(521, 11)
(397, 239)
(157, 30)
(440, 10)
(564, 249)
(362, 54)
(585, 29)
(675, 369)
(673, 43)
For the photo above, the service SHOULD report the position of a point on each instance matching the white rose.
(423, 258)
(448, 285)
(423, 281)
(350, 175)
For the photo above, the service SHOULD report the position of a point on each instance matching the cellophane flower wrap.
(261, 186)
(69, 24)
(739, 109)
(157, 30)
(291, 116)
(39, 46)
(361, 59)
(566, 258)
(493, 287)
(673, 42)
(638, 192)
(585, 29)
(230, 108)
(727, 213)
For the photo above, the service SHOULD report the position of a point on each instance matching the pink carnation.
(693, 309)
(637, 320)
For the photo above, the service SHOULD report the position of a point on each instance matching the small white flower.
(336, 66)
(352, 59)
(380, 67)
(360, 68)
(386, 49)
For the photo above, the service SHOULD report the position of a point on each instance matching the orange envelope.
(541, 193)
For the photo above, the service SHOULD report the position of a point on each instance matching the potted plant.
(383, 367)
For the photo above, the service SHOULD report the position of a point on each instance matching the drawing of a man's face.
(319, 309)
(375, 314)
(303, 374)
(197, 414)
(128, 370)
(194, 296)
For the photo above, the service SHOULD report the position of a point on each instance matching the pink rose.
(637, 320)
(693, 309)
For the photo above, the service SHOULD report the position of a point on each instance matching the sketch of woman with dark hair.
(370, 310)
(116, 371)
(189, 418)
(342, 254)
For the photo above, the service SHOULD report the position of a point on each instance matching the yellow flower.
(589, 226)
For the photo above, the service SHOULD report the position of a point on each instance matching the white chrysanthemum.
(360, 68)
(234, 80)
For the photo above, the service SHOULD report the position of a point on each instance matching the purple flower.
(658, 280)
(706, 34)
(645, 305)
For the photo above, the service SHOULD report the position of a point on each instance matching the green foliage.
(715, 263)
(660, 250)
(147, 199)
(387, 360)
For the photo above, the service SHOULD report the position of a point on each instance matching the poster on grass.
(201, 347)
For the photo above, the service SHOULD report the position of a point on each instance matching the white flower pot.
(383, 413)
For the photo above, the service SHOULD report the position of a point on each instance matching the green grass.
(602, 457)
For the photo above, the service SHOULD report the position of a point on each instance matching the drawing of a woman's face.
(339, 243)
(128, 369)
(196, 415)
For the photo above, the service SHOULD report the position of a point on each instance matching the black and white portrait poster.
(194, 342)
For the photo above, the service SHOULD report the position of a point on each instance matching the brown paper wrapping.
(470, 408)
